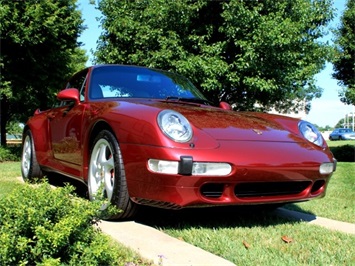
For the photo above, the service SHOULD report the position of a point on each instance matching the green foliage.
(250, 53)
(39, 50)
(10, 153)
(344, 153)
(13, 127)
(325, 128)
(40, 225)
(344, 63)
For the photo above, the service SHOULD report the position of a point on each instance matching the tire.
(30, 168)
(106, 176)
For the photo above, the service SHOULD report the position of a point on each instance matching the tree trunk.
(3, 120)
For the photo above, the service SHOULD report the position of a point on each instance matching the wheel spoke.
(107, 170)
(101, 158)
(108, 164)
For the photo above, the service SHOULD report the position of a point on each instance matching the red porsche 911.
(141, 136)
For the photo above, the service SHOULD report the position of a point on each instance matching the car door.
(65, 124)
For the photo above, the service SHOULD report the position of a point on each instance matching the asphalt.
(161, 249)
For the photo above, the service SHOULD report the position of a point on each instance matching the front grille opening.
(212, 190)
(265, 189)
(317, 186)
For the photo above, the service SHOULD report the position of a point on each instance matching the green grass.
(9, 173)
(336, 143)
(311, 244)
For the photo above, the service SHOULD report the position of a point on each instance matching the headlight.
(175, 126)
(311, 133)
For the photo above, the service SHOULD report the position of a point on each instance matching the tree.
(346, 122)
(39, 49)
(257, 55)
(324, 128)
(344, 63)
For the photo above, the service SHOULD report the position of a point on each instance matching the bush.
(10, 153)
(345, 153)
(42, 225)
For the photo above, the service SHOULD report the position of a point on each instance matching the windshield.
(137, 82)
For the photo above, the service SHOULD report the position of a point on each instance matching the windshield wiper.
(191, 100)
(172, 98)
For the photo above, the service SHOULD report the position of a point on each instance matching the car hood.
(231, 125)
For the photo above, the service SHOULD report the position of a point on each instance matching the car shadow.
(297, 208)
(210, 217)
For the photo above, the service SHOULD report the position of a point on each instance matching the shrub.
(345, 153)
(10, 153)
(42, 225)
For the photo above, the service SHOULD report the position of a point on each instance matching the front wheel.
(106, 177)
(30, 168)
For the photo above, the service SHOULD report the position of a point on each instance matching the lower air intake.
(265, 189)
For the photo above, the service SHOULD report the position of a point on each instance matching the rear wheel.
(106, 178)
(30, 168)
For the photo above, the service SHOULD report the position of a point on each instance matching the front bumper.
(273, 173)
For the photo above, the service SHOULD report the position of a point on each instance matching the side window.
(78, 82)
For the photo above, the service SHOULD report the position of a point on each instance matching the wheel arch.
(95, 130)
(98, 127)
(38, 146)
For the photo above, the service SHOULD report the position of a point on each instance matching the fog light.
(211, 169)
(326, 168)
(198, 168)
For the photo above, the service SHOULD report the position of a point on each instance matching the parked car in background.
(141, 136)
(342, 134)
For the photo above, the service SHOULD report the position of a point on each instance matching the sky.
(326, 110)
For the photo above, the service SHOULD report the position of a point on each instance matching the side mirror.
(225, 106)
(69, 95)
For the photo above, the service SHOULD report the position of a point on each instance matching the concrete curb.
(344, 227)
(158, 247)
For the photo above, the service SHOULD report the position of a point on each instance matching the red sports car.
(141, 136)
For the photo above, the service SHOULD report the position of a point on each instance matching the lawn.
(8, 173)
(252, 237)
(336, 143)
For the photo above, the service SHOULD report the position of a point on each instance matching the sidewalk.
(344, 227)
(158, 247)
